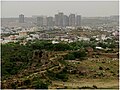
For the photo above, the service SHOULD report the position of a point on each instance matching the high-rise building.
(72, 20)
(65, 21)
(78, 20)
(60, 19)
(40, 21)
(50, 21)
(21, 18)
(56, 19)
(44, 21)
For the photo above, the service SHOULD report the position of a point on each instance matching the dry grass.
(89, 83)
(109, 80)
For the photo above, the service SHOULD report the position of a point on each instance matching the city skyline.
(59, 19)
(50, 8)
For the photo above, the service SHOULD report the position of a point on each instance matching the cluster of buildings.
(61, 27)
(59, 20)
(54, 35)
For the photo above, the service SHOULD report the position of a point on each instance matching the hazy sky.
(49, 8)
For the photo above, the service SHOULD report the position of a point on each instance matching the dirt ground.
(89, 83)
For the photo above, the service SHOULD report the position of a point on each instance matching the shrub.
(69, 57)
(107, 68)
(13, 85)
(62, 76)
(85, 87)
(74, 55)
(27, 82)
(94, 86)
(100, 68)
(40, 85)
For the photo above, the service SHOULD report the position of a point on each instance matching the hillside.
(26, 67)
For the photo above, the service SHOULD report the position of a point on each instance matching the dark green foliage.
(61, 47)
(103, 45)
(62, 76)
(69, 57)
(100, 68)
(13, 86)
(27, 82)
(51, 74)
(15, 57)
(107, 44)
(58, 76)
(40, 85)
(74, 55)
(62, 62)
(94, 86)
(85, 87)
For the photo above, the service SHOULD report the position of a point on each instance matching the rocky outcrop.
(41, 56)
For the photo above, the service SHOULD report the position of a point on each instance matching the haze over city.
(49, 8)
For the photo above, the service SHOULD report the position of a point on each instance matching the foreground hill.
(32, 67)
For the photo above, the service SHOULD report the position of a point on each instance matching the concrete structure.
(60, 19)
(72, 20)
(22, 34)
(78, 20)
(44, 21)
(65, 21)
(21, 18)
(50, 22)
(40, 21)
(56, 19)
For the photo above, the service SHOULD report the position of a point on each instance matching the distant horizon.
(53, 16)
(11, 9)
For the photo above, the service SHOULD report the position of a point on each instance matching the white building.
(55, 42)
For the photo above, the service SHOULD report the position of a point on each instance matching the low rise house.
(22, 34)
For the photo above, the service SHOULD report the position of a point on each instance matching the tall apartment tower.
(72, 20)
(56, 19)
(65, 21)
(78, 20)
(60, 19)
(21, 18)
(40, 21)
(50, 21)
(44, 21)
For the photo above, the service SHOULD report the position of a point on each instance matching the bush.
(94, 86)
(27, 82)
(79, 54)
(69, 57)
(85, 87)
(40, 85)
(62, 76)
(13, 85)
(74, 55)
(107, 68)
(100, 68)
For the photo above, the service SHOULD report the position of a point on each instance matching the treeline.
(47, 45)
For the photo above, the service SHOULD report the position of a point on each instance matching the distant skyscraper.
(50, 21)
(44, 21)
(60, 19)
(72, 20)
(40, 21)
(56, 19)
(21, 18)
(78, 20)
(65, 21)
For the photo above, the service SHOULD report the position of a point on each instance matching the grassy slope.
(109, 80)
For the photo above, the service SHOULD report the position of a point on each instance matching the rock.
(41, 56)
